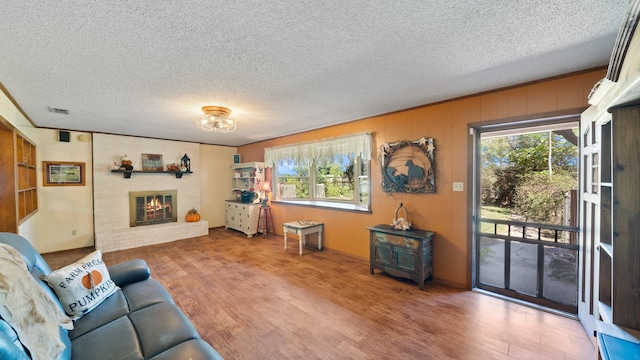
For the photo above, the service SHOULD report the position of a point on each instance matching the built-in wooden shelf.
(127, 173)
(19, 179)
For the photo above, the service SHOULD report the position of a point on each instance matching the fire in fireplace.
(152, 207)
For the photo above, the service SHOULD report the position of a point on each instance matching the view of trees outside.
(528, 176)
(334, 180)
(293, 181)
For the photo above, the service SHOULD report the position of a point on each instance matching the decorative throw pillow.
(82, 285)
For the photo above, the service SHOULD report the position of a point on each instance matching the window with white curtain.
(329, 172)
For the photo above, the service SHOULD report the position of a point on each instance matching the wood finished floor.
(252, 300)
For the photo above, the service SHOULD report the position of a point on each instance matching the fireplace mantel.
(127, 173)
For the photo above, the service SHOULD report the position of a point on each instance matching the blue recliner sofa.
(139, 321)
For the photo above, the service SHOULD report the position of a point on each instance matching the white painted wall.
(61, 209)
(216, 182)
(65, 213)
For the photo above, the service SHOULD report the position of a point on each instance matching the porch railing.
(507, 250)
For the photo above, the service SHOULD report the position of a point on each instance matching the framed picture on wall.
(408, 166)
(62, 173)
(152, 162)
(236, 158)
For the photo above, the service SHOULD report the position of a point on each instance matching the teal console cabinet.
(402, 253)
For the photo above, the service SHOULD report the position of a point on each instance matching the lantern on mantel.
(185, 163)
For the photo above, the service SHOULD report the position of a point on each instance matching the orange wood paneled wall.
(444, 212)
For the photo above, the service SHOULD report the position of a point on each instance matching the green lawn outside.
(493, 212)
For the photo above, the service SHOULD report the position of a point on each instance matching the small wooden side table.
(302, 228)
(265, 221)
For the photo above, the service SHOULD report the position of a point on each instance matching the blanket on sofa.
(28, 308)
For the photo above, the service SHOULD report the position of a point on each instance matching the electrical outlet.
(458, 186)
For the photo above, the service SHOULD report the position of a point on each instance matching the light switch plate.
(458, 186)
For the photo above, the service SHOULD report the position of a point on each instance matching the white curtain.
(303, 153)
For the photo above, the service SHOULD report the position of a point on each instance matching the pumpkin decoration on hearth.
(192, 216)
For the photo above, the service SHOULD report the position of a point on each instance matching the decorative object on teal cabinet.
(401, 223)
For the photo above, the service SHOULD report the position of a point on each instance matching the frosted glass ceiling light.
(216, 118)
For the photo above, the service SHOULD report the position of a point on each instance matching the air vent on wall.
(58, 111)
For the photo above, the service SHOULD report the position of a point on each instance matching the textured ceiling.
(146, 67)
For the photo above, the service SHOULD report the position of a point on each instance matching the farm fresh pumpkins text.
(91, 280)
(82, 285)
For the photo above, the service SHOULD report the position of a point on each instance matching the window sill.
(324, 204)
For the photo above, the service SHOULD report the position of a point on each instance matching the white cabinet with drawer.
(242, 217)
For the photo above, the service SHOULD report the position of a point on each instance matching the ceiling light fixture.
(216, 118)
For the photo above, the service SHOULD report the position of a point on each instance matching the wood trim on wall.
(15, 103)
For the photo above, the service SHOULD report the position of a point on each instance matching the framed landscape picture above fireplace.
(152, 162)
(62, 173)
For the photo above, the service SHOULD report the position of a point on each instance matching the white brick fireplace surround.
(111, 191)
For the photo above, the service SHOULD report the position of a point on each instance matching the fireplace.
(152, 207)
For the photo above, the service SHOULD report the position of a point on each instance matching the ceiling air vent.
(58, 111)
